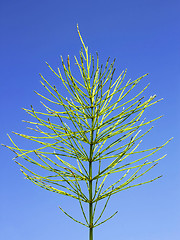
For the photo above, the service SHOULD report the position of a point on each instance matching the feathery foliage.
(86, 139)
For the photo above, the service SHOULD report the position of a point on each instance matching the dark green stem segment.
(90, 204)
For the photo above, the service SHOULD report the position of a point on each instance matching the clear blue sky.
(144, 36)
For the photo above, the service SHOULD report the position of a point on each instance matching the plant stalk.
(90, 177)
(90, 204)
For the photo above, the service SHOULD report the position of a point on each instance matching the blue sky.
(144, 37)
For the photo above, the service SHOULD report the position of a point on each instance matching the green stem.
(90, 180)
(90, 204)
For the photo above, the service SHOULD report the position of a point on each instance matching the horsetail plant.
(88, 138)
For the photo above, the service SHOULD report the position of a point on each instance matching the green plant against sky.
(92, 134)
